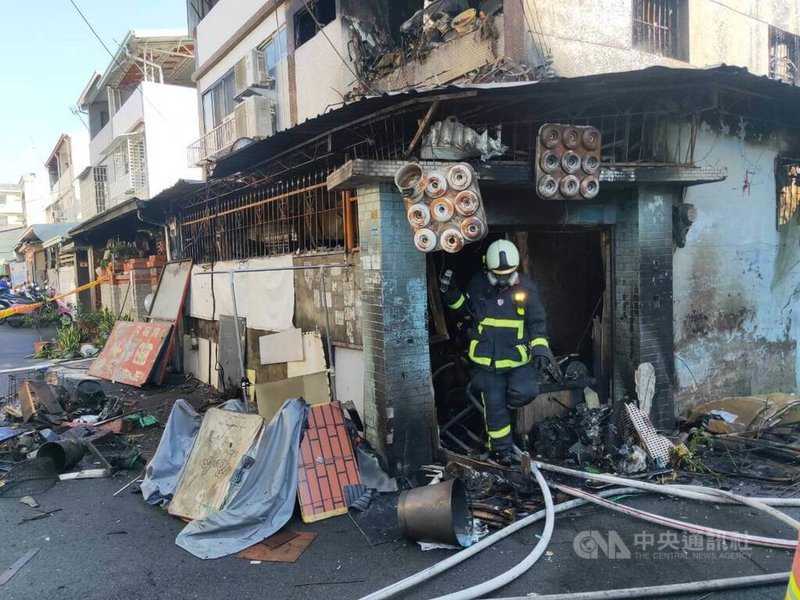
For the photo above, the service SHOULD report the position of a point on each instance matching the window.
(275, 52)
(218, 101)
(3, 219)
(662, 27)
(3, 199)
(307, 22)
(788, 180)
(784, 56)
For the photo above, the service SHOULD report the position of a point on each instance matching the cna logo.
(592, 544)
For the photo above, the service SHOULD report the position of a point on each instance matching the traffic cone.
(793, 591)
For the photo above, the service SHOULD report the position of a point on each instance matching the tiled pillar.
(398, 399)
(643, 329)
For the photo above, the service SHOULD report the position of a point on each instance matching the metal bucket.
(436, 513)
(64, 453)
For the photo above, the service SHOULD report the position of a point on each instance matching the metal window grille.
(129, 169)
(657, 27)
(293, 216)
(100, 187)
(788, 176)
(784, 56)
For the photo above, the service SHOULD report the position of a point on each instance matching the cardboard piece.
(326, 465)
(288, 552)
(281, 347)
(270, 396)
(314, 357)
(224, 438)
(131, 352)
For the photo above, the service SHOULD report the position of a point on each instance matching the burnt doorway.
(571, 268)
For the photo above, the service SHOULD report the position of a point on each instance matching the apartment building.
(142, 113)
(12, 207)
(67, 161)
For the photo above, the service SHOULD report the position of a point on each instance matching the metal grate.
(100, 188)
(784, 56)
(292, 216)
(657, 446)
(657, 27)
(129, 168)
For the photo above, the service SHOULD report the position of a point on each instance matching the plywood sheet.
(131, 352)
(171, 291)
(313, 356)
(222, 441)
(288, 552)
(270, 396)
(327, 464)
(281, 347)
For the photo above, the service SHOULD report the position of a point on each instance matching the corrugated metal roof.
(8, 239)
(45, 231)
(577, 87)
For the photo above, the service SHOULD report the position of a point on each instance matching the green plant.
(69, 339)
(42, 316)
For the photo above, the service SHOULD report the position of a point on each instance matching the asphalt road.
(99, 546)
(15, 346)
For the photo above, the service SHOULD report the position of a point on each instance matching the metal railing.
(212, 144)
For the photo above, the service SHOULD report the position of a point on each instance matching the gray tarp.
(164, 469)
(263, 490)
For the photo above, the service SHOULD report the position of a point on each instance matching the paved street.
(15, 346)
(99, 546)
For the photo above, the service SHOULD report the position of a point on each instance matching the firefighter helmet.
(502, 257)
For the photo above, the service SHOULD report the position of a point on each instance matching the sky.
(47, 55)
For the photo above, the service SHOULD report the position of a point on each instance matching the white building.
(142, 113)
(35, 196)
(66, 162)
(12, 209)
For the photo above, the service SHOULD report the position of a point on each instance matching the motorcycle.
(64, 316)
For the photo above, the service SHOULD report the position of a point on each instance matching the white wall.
(595, 36)
(737, 281)
(171, 124)
(322, 78)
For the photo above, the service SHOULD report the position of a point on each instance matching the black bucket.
(64, 453)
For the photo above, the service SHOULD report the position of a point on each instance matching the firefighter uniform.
(508, 330)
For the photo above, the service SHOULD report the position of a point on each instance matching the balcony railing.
(214, 143)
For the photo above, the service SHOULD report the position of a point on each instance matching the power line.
(99, 39)
(532, 31)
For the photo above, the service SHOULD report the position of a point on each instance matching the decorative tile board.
(327, 464)
(656, 445)
(131, 352)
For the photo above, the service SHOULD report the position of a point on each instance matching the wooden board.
(327, 464)
(222, 441)
(270, 396)
(281, 347)
(171, 291)
(131, 352)
(288, 552)
(314, 357)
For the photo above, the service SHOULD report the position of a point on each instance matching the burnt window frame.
(314, 16)
(667, 34)
(787, 192)
(790, 62)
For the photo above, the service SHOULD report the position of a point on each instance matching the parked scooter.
(64, 316)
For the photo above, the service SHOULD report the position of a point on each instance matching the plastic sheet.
(262, 495)
(163, 471)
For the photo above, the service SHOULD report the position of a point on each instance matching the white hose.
(657, 591)
(459, 557)
(706, 495)
(676, 524)
(476, 591)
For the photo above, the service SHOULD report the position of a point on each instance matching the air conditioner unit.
(254, 117)
(250, 73)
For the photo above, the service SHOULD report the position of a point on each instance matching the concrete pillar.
(643, 327)
(399, 410)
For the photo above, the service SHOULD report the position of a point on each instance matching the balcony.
(125, 119)
(213, 144)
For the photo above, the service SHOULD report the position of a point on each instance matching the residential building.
(682, 260)
(66, 162)
(12, 208)
(142, 113)
(41, 265)
(35, 196)
(11, 263)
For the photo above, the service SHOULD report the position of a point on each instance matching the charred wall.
(736, 282)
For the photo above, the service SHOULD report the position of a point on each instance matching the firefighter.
(507, 340)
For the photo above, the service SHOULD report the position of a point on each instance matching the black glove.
(542, 358)
(449, 288)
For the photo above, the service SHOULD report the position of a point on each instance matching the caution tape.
(25, 308)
